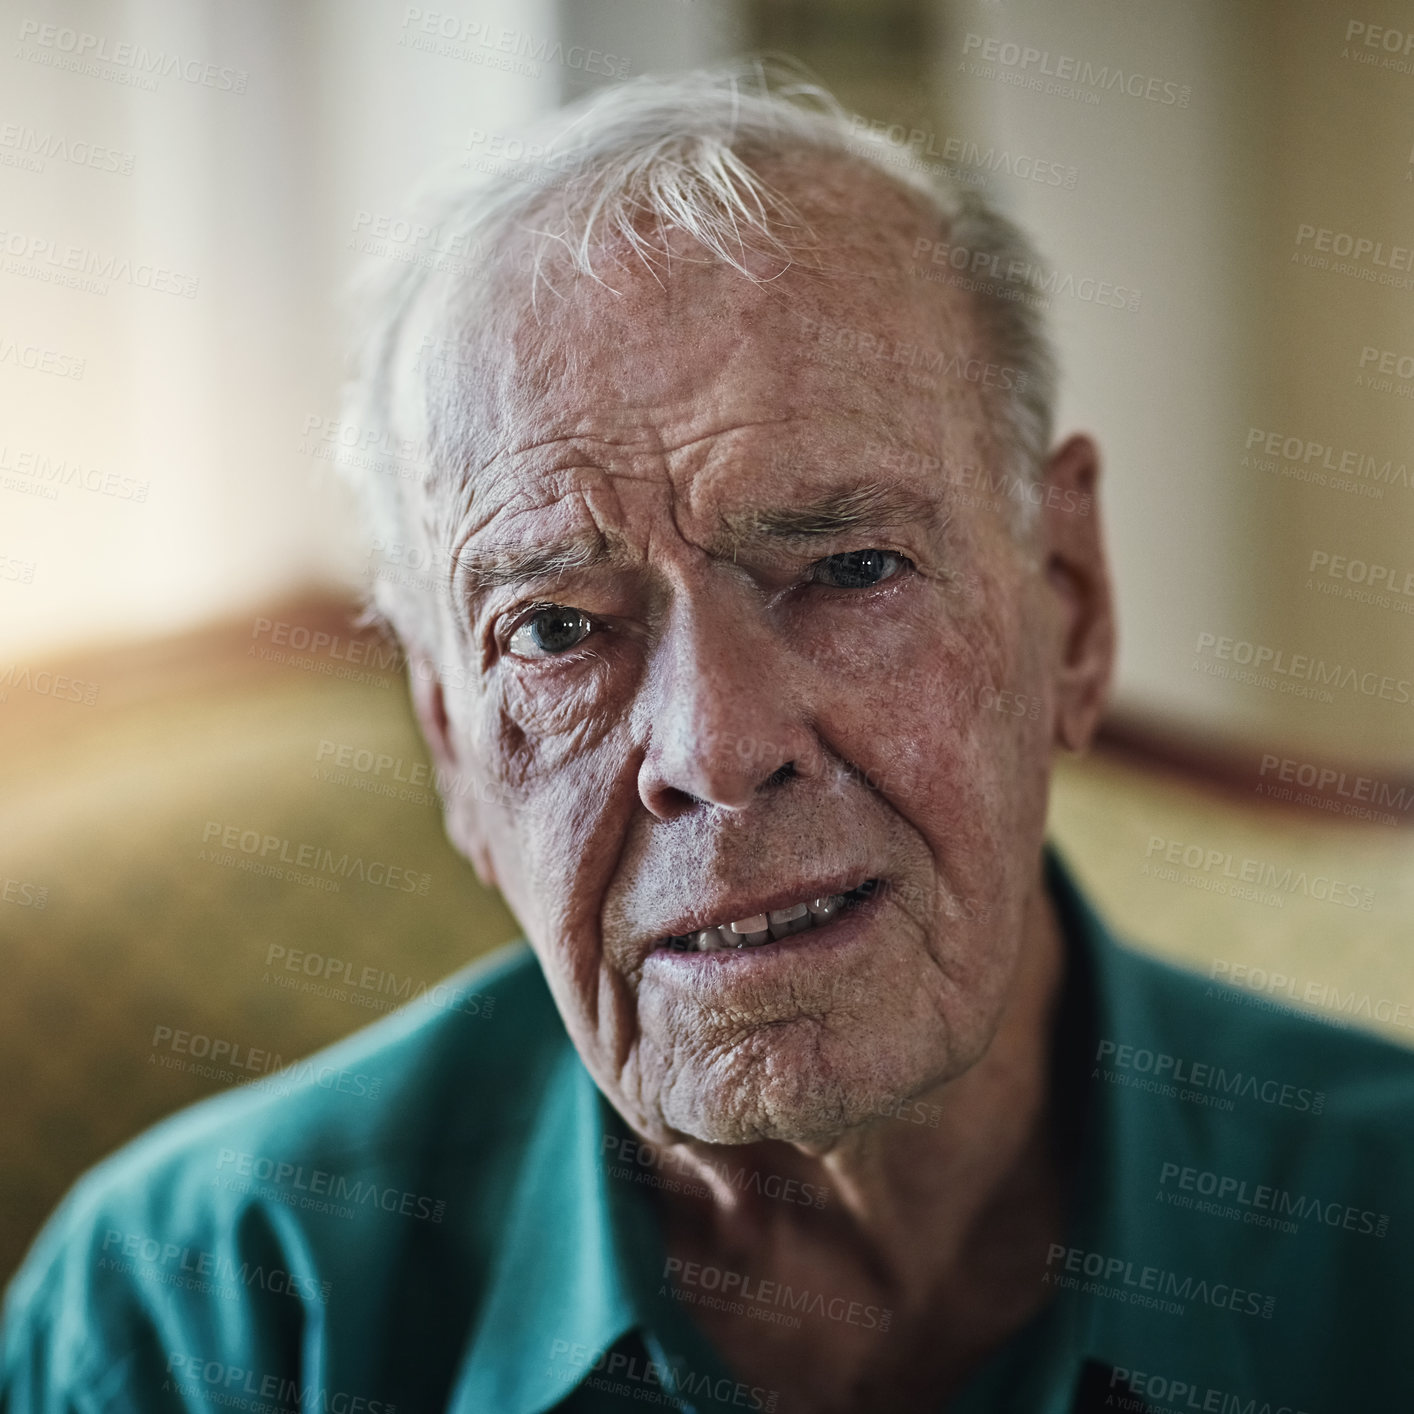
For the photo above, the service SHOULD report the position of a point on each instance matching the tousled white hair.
(606, 179)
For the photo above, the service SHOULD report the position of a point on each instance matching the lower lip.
(844, 929)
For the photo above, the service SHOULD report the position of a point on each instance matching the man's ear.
(461, 806)
(1073, 552)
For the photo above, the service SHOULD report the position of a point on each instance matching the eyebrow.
(867, 504)
(864, 505)
(512, 565)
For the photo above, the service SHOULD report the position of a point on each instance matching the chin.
(808, 1093)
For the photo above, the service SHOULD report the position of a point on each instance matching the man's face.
(798, 658)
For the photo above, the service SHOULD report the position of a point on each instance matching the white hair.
(610, 176)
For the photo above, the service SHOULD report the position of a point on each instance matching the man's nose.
(725, 719)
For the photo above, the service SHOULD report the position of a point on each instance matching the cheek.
(925, 691)
(537, 721)
(933, 707)
(555, 822)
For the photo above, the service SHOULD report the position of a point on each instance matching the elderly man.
(819, 1088)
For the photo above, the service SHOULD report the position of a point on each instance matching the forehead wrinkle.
(599, 540)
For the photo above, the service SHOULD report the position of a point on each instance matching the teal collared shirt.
(442, 1213)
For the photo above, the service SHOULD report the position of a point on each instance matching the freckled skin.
(731, 724)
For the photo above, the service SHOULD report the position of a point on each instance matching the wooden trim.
(1296, 784)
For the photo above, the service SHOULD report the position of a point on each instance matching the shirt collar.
(1114, 990)
(1050, 1365)
(562, 1286)
(574, 1268)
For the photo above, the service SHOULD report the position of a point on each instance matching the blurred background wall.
(1223, 195)
(1212, 151)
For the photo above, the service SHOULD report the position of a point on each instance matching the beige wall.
(1196, 205)
(1342, 155)
(1199, 206)
(206, 400)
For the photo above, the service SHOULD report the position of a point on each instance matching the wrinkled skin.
(735, 723)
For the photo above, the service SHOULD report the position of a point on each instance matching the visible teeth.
(785, 921)
(767, 927)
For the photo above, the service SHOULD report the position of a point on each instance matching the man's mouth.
(763, 929)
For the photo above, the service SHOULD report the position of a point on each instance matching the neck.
(920, 1216)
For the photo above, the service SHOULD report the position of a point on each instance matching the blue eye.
(856, 569)
(550, 630)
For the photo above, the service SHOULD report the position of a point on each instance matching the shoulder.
(1260, 1162)
(1346, 1073)
(259, 1200)
(1288, 1116)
